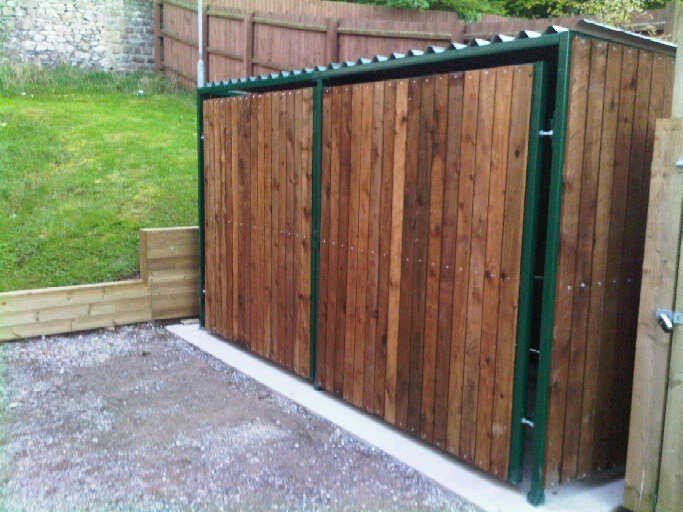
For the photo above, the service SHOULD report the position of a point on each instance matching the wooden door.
(423, 188)
(257, 182)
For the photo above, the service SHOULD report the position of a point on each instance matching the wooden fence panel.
(257, 234)
(616, 93)
(421, 209)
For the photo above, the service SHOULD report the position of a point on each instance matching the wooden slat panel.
(462, 256)
(372, 250)
(610, 113)
(492, 261)
(396, 242)
(571, 195)
(416, 187)
(433, 259)
(384, 222)
(582, 277)
(509, 269)
(606, 180)
(448, 247)
(259, 192)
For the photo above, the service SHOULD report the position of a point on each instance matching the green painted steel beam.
(526, 289)
(200, 206)
(316, 186)
(536, 494)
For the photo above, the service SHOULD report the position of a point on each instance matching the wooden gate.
(423, 187)
(257, 182)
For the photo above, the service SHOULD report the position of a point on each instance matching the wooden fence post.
(205, 42)
(248, 56)
(158, 41)
(332, 40)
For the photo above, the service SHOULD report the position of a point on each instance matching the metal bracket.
(667, 319)
(527, 422)
(545, 133)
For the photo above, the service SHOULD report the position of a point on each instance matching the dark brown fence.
(616, 94)
(257, 235)
(423, 195)
(248, 37)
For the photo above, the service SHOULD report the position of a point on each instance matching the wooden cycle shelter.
(450, 240)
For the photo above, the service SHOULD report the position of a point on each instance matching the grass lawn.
(86, 159)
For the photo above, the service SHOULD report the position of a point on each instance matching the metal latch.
(667, 319)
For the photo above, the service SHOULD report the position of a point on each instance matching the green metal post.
(536, 495)
(200, 202)
(526, 285)
(317, 153)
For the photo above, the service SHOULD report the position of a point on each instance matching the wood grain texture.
(422, 191)
(259, 196)
(615, 97)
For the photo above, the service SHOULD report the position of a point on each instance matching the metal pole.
(200, 44)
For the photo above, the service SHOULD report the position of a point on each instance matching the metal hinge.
(667, 319)
(545, 133)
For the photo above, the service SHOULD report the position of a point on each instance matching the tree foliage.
(612, 12)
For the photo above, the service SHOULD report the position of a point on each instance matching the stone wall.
(100, 34)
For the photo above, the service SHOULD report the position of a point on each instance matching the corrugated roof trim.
(477, 42)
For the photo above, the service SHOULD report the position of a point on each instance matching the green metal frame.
(200, 207)
(526, 287)
(316, 185)
(536, 495)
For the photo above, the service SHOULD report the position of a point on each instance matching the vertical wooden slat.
(437, 161)
(301, 321)
(364, 162)
(584, 250)
(221, 209)
(267, 171)
(255, 313)
(389, 120)
(571, 194)
(420, 234)
(492, 262)
(331, 166)
(343, 138)
(290, 201)
(447, 274)
(594, 341)
(611, 326)
(304, 343)
(372, 250)
(638, 188)
(476, 264)
(408, 274)
(244, 170)
(352, 247)
(396, 242)
(462, 257)
(276, 240)
(520, 111)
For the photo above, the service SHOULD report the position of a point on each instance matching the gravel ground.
(137, 419)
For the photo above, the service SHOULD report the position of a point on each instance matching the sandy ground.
(137, 419)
